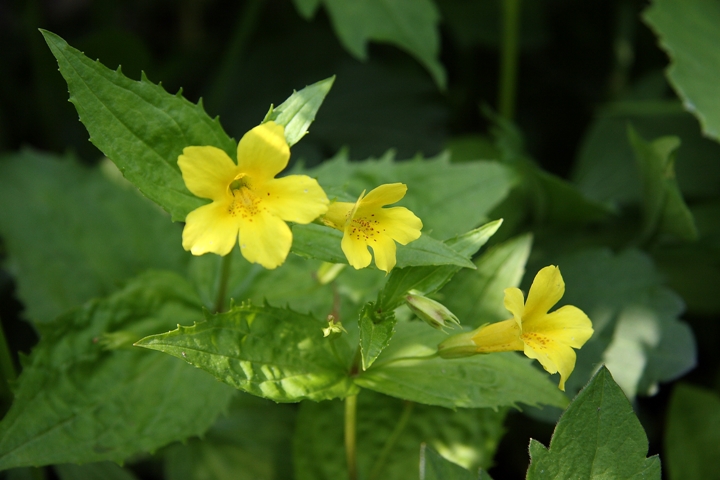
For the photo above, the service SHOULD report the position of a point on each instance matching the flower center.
(364, 228)
(244, 202)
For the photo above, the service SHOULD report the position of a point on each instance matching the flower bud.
(433, 313)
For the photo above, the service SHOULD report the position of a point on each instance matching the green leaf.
(449, 198)
(139, 126)
(687, 30)
(72, 234)
(253, 441)
(477, 296)
(270, 352)
(430, 279)
(434, 466)
(376, 330)
(665, 210)
(409, 24)
(692, 437)
(85, 395)
(323, 243)
(299, 110)
(597, 437)
(93, 471)
(466, 437)
(480, 381)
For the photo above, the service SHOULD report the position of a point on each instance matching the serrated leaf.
(299, 110)
(597, 437)
(139, 126)
(665, 209)
(430, 279)
(467, 437)
(408, 24)
(480, 381)
(77, 401)
(72, 234)
(323, 243)
(436, 467)
(270, 352)
(687, 30)
(692, 435)
(376, 330)
(476, 297)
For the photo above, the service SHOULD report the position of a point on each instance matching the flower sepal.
(458, 346)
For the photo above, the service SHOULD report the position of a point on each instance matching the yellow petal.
(498, 337)
(356, 251)
(210, 229)
(384, 195)
(515, 304)
(295, 198)
(263, 152)
(265, 239)
(553, 356)
(384, 250)
(546, 290)
(568, 325)
(337, 214)
(399, 223)
(207, 171)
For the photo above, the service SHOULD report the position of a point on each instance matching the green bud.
(328, 272)
(334, 328)
(433, 313)
(119, 339)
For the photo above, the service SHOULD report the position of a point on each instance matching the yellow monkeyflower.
(546, 337)
(366, 224)
(248, 203)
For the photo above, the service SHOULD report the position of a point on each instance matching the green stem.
(392, 440)
(7, 369)
(224, 278)
(509, 58)
(402, 359)
(350, 435)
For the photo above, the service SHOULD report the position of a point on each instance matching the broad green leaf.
(323, 243)
(376, 330)
(430, 279)
(692, 435)
(597, 437)
(86, 395)
(409, 24)
(436, 467)
(139, 126)
(638, 333)
(449, 198)
(476, 296)
(665, 210)
(270, 352)
(253, 441)
(467, 437)
(480, 381)
(93, 471)
(299, 110)
(687, 31)
(72, 234)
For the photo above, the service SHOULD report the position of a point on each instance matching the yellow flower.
(366, 224)
(248, 202)
(547, 337)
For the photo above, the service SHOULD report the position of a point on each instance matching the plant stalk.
(224, 278)
(509, 58)
(350, 435)
(391, 441)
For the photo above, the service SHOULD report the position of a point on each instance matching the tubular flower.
(366, 224)
(546, 337)
(248, 203)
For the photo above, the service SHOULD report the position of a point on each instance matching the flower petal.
(263, 152)
(553, 356)
(356, 251)
(498, 337)
(568, 325)
(399, 223)
(265, 239)
(337, 214)
(295, 198)
(210, 229)
(546, 290)
(515, 303)
(384, 195)
(207, 171)
(384, 250)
